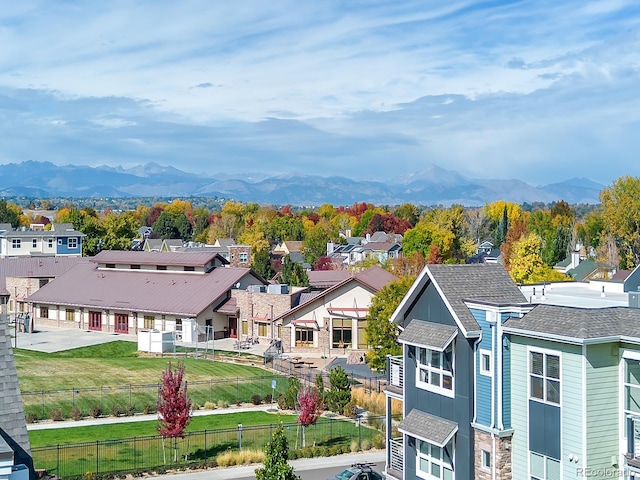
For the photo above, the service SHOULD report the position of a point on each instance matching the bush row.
(75, 413)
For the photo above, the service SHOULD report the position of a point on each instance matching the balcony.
(395, 465)
(395, 376)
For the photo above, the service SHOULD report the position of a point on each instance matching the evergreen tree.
(340, 392)
(276, 465)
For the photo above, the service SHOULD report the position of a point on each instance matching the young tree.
(309, 401)
(293, 273)
(340, 392)
(174, 407)
(381, 333)
(276, 465)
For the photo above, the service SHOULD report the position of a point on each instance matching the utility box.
(155, 341)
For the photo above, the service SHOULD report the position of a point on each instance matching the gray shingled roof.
(579, 324)
(480, 282)
(428, 427)
(428, 334)
(170, 293)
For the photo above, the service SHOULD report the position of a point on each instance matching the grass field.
(113, 374)
(92, 433)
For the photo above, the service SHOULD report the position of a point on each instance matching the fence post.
(206, 453)
(97, 457)
(135, 454)
(58, 460)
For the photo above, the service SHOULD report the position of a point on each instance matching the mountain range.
(433, 186)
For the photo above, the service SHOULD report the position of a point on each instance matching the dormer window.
(435, 369)
(34, 243)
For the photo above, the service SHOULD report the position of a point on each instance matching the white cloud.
(493, 89)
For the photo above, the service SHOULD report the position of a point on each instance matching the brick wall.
(235, 252)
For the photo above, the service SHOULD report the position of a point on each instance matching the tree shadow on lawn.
(212, 452)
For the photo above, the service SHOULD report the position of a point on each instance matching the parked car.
(359, 471)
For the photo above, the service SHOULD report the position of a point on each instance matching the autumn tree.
(9, 214)
(276, 466)
(382, 335)
(309, 401)
(620, 206)
(174, 407)
(527, 265)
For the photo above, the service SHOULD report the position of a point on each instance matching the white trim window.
(34, 243)
(542, 467)
(244, 257)
(434, 462)
(72, 242)
(434, 371)
(485, 459)
(16, 243)
(544, 377)
(486, 363)
(50, 242)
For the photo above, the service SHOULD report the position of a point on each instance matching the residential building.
(575, 390)
(450, 376)
(61, 240)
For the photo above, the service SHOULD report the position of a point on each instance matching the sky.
(540, 91)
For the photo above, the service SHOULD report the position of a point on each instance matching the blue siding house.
(453, 375)
(60, 240)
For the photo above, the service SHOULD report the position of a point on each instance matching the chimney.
(330, 248)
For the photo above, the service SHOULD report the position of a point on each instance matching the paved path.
(140, 418)
(298, 465)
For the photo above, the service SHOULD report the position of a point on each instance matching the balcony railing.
(396, 457)
(395, 374)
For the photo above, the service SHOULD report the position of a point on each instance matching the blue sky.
(536, 90)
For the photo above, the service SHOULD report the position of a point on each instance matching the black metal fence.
(139, 398)
(305, 371)
(327, 436)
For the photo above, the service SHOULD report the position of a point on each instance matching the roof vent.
(634, 299)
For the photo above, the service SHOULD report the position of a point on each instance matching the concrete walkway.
(88, 421)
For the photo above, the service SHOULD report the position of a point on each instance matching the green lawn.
(113, 374)
(91, 433)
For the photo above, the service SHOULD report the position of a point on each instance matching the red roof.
(127, 257)
(35, 267)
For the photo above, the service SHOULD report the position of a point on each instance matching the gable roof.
(578, 325)
(224, 242)
(372, 278)
(181, 294)
(583, 270)
(456, 284)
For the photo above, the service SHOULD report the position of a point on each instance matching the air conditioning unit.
(257, 288)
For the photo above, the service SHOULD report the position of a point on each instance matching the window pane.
(537, 465)
(435, 358)
(537, 388)
(553, 391)
(435, 470)
(447, 474)
(486, 363)
(536, 363)
(424, 465)
(422, 356)
(632, 399)
(447, 359)
(435, 379)
(632, 374)
(424, 375)
(447, 382)
(553, 366)
(423, 447)
(436, 452)
(553, 469)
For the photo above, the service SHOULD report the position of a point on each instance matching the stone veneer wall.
(483, 441)
(13, 426)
